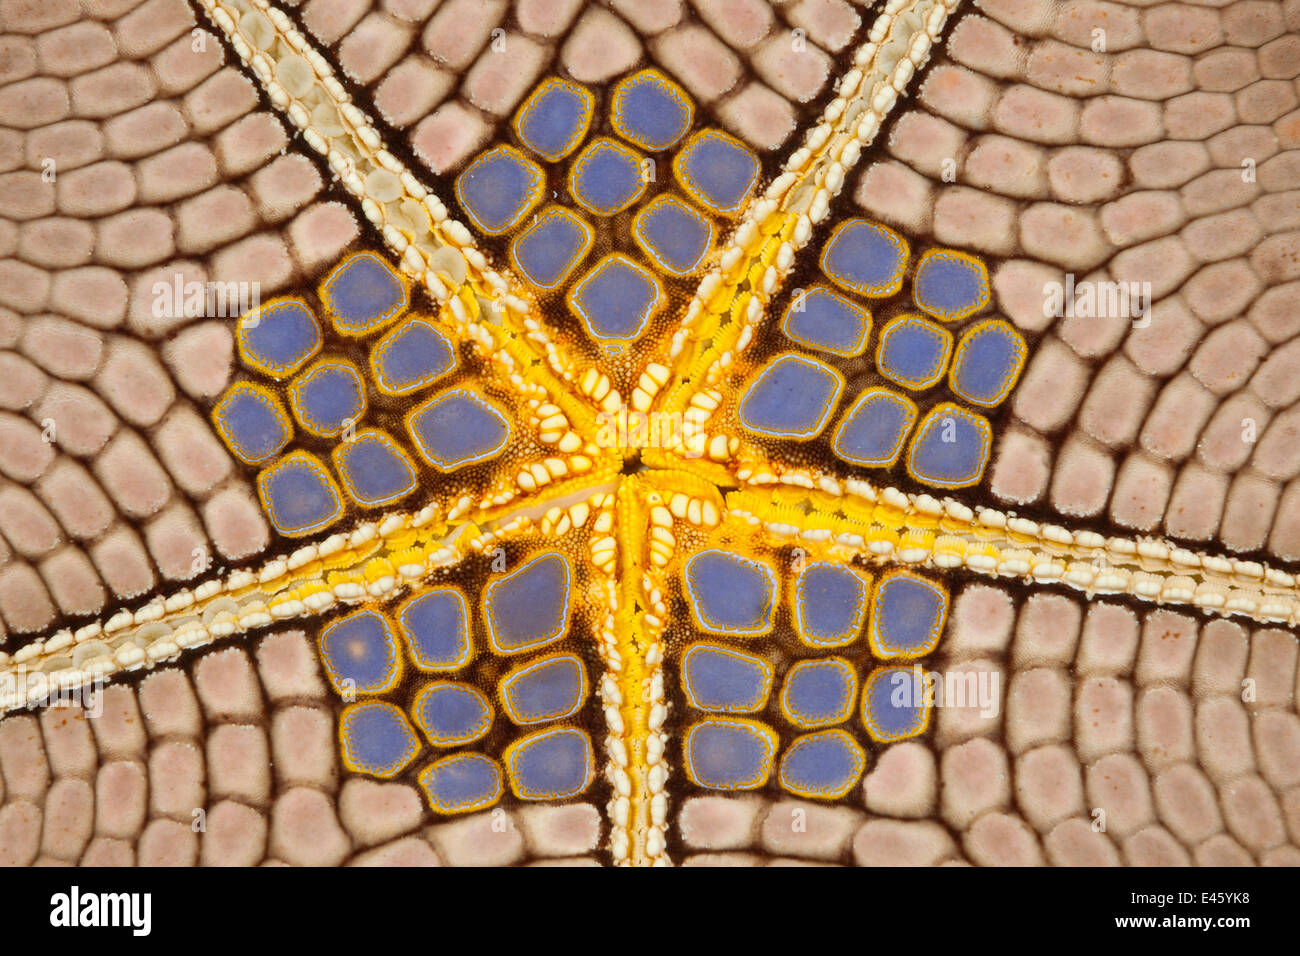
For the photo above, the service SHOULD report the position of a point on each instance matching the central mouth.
(632, 464)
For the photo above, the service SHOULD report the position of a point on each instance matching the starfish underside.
(628, 534)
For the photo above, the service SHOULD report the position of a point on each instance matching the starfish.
(634, 502)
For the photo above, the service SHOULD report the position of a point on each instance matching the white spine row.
(898, 44)
(190, 617)
(619, 745)
(283, 589)
(660, 544)
(429, 245)
(944, 533)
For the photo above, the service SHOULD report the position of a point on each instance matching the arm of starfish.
(790, 494)
(647, 510)
(734, 296)
(376, 563)
(640, 806)
(489, 306)
(882, 525)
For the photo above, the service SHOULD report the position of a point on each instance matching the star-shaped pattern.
(632, 464)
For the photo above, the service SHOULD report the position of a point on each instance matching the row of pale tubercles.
(919, 529)
(431, 246)
(375, 561)
(779, 223)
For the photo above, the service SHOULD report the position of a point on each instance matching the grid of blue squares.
(794, 395)
(299, 391)
(807, 735)
(615, 298)
(366, 654)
